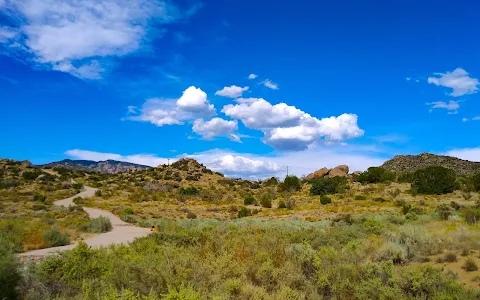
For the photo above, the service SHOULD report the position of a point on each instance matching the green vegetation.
(54, 238)
(10, 274)
(328, 186)
(291, 183)
(376, 175)
(249, 200)
(99, 225)
(434, 180)
(324, 199)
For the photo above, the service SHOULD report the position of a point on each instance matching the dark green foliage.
(78, 201)
(266, 202)
(291, 183)
(271, 181)
(189, 191)
(55, 238)
(405, 177)
(99, 225)
(98, 193)
(324, 199)
(194, 177)
(31, 175)
(475, 182)
(39, 198)
(77, 186)
(327, 186)
(128, 218)
(6, 184)
(434, 180)
(9, 269)
(249, 200)
(450, 257)
(376, 175)
(244, 212)
(282, 204)
(360, 197)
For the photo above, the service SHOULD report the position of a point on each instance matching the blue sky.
(246, 87)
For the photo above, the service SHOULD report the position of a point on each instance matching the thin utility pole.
(168, 161)
(287, 171)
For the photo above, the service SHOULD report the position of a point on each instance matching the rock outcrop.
(411, 163)
(339, 171)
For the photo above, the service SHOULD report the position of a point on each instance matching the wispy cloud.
(458, 80)
(270, 84)
(452, 106)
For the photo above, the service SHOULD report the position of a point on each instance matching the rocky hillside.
(108, 166)
(410, 163)
(338, 171)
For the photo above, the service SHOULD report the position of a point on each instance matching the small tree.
(376, 175)
(324, 199)
(434, 180)
(291, 183)
(249, 200)
(326, 186)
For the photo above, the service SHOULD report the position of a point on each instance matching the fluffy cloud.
(72, 36)
(216, 127)
(452, 106)
(471, 154)
(252, 76)
(232, 91)
(269, 84)
(287, 128)
(458, 80)
(473, 119)
(191, 105)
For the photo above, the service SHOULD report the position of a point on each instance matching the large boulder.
(339, 171)
(318, 174)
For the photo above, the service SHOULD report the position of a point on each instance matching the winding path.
(121, 233)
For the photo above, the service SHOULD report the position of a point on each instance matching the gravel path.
(122, 233)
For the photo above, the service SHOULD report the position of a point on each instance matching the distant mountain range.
(410, 163)
(107, 166)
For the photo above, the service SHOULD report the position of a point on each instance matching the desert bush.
(290, 203)
(10, 275)
(77, 186)
(128, 218)
(405, 177)
(98, 193)
(31, 175)
(266, 202)
(373, 226)
(324, 199)
(282, 204)
(271, 182)
(39, 198)
(376, 175)
(188, 191)
(470, 265)
(471, 215)
(394, 193)
(191, 215)
(450, 257)
(249, 200)
(475, 181)
(99, 225)
(360, 197)
(244, 212)
(78, 200)
(54, 238)
(393, 251)
(291, 183)
(326, 186)
(434, 180)
(444, 211)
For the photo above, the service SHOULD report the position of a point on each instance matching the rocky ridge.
(107, 166)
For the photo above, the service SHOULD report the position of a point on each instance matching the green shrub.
(405, 177)
(271, 181)
(326, 186)
(376, 175)
(291, 183)
(450, 257)
(77, 186)
(249, 200)
(99, 225)
(128, 218)
(324, 199)
(475, 181)
(78, 200)
(471, 215)
(373, 226)
(470, 265)
(191, 215)
(360, 197)
(98, 193)
(282, 204)
(434, 180)
(31, 175)
(10, 274)
(266, 202)
(54, 238)
(189, 191)
(444, 211)
(39, 198)
(244, 212)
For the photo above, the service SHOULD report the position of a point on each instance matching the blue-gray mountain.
(107, 166)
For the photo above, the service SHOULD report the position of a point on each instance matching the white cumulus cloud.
(286, 127)
(191, 105)
(471, 154)
(232, 91)
(458, 80)
(216, 127)
(252, 76)
(269, 84)
(72, 36)
(452, 106)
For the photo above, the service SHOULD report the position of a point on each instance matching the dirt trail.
(122, 233)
